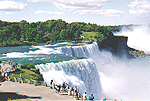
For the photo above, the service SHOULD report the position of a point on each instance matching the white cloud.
(66, 4)
(12, 6)
(10, 13)
(80, 6)
(140, 8)
(140, 12)
(113, 13)
(89, 11)
(108, 13)
(48, 12)
(39, 0)
(84, 6)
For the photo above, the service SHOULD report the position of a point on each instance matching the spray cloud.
(138, 37)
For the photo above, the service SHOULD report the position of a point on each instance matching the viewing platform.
(35, 93)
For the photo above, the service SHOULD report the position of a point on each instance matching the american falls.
(101, 74)
(81, 72)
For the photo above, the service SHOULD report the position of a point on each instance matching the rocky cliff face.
(117, 45)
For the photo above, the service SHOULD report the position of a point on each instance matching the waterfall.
(87, 74)
(88, 50)
(82, 73)
(102, 74)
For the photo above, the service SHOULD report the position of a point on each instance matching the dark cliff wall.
(117, 45)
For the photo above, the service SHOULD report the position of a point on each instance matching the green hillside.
(89, 35)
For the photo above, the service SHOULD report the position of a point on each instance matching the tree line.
(52, 31)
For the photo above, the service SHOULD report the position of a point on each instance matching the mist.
(125, 79)
(118, 78)
(138, 37)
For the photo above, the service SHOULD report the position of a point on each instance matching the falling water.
(108, 76)
(82, 73)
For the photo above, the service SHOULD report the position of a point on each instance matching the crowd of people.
(60, 88)
(6, 67)
(71, 91)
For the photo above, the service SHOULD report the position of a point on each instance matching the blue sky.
(101, 12)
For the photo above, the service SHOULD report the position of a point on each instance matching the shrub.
(26, 66)
(30, 66)
(23, 66)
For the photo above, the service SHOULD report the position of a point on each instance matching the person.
(72, 91)
(51, 84)
(84, 96)
(77, 95)
(13, 66)
(104, 99)
(64, 86)
(6, 76)
(67, 87)
(58, 88)
(89, 98)
(75, 92)
(92, 97)
(69, 92)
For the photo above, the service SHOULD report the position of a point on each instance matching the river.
(101, 73)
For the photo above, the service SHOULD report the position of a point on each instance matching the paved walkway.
(46, 93)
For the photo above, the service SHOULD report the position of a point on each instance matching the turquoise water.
(119, 78)
(17, 48)
(25, 54)
(39, 59)
(39, 54)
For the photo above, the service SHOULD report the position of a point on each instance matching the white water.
(81, 73)
(138, 38)
(81, 51)
(119, 78)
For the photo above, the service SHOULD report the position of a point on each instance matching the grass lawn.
(32, 74)
(89, 35)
